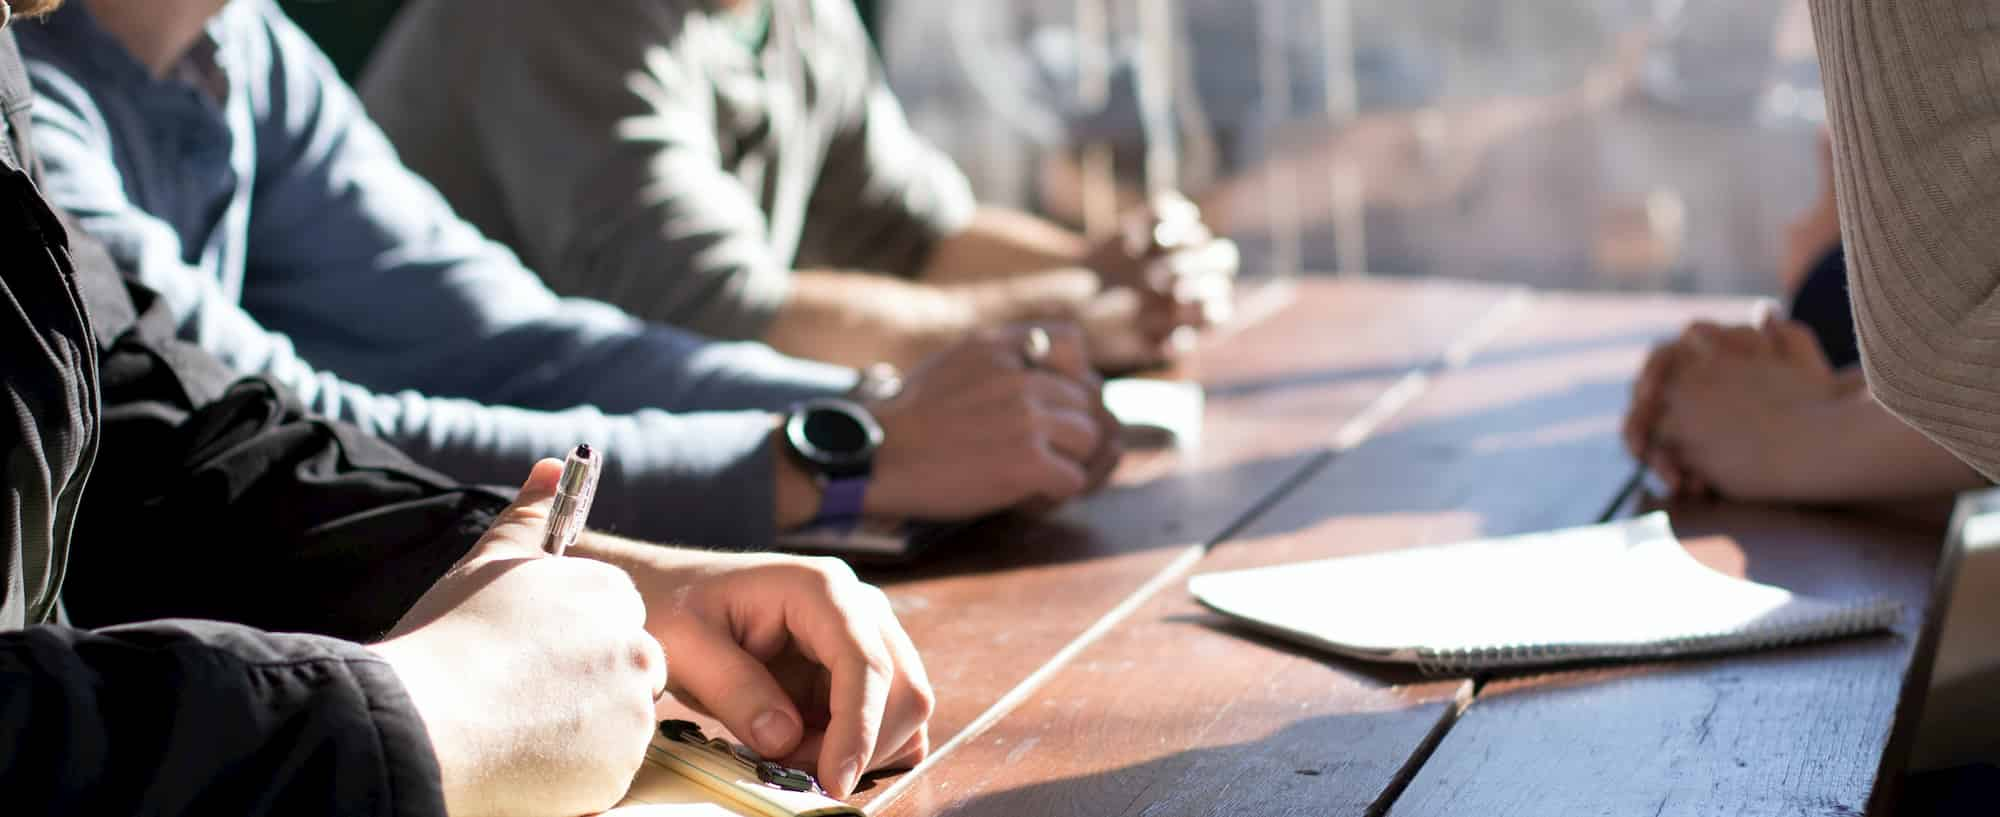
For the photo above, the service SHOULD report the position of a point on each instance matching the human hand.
(1642, 416)
(1165, 271)
(1729, 410)
(533, 673)
(976, 430)
(798, 659)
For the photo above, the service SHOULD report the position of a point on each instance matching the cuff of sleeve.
(758, 290)
(780, 381)
(699, 479)
(946, 208)
(416, 785)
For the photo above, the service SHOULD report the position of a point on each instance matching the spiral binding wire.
(1875, 614)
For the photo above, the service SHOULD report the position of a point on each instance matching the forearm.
(705, 478)
(1001, 243)
(858, 319)
(1869, 455)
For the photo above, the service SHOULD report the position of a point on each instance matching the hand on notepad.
(801, 660)
(534, 675)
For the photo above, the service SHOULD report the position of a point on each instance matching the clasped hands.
(1165, 271)
(1727, 410)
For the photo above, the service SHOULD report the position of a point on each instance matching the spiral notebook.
(1625, 590)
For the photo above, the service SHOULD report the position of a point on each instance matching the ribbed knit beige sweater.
(1913, 98)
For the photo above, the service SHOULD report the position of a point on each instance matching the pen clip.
(770, 773)
(570, 508)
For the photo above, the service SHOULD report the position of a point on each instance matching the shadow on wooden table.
(1563, 440)
(1178, 509)
(1379, 673)
(1188, 506)
(1328, 766)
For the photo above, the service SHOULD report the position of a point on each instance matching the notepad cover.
(1623, 590)
(677, 781)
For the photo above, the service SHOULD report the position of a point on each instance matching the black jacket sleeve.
(187, 717)
(221, 498)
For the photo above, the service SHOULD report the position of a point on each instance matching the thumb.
(737, 689)
(522, 524)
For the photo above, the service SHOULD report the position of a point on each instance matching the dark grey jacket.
(216, 514)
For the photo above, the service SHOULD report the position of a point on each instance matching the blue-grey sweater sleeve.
(442, 342)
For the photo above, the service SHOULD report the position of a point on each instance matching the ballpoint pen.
(574, 491)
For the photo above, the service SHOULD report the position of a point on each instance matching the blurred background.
(1587, 144)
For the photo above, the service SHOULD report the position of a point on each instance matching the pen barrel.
(566, 517)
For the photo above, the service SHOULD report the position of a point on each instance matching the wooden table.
(1076, 676)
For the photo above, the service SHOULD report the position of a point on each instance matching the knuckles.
(644, 657)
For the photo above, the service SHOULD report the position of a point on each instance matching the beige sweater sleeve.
(1913, 99)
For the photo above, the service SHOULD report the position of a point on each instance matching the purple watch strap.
(840, 502)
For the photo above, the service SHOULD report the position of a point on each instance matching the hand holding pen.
(512, 648)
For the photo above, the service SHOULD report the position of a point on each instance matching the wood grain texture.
(1177, 712)
(994, 606)
(1801, 730)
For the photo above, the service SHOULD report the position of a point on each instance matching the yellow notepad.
(689, 775)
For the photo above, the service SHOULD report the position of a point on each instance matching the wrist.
(796, 494)
(430, 698)
(1826, 435)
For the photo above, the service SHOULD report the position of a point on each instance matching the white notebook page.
(1620, 590)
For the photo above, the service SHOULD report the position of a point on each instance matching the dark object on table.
(1960, 791)
(1821, 303)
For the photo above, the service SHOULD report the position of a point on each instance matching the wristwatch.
(836, 441)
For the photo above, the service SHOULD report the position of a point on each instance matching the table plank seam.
(1348, 436)
(1621, 504)
(1460, 701)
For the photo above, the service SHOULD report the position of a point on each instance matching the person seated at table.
(211, 147)
(1913, 121)
(218, 603)
(1780, 412)
(741, 169)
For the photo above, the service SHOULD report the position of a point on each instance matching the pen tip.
(583, 450)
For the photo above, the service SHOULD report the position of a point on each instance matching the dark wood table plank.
(1176, 712)
(1803, 730)
(995, 606)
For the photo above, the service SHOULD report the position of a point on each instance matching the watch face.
(839, 438)
(835, 432)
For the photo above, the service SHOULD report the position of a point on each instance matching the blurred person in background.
(739, 168)
(1914, 119)
(1250, 109)
(211, 148)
